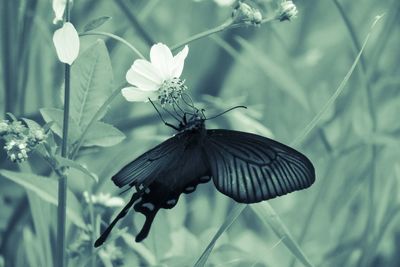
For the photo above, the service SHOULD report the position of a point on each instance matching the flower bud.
(287, 11)
(4, 127)
(17, 150)
(244, 13)
(17, 128)
(39, 135)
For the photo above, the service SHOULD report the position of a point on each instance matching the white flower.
(224, 2)
(104, 199)
(157, 78)
(59, 8)
(66, 42)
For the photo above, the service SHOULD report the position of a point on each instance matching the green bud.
(287, 11)
(4, 127)
(244, 13)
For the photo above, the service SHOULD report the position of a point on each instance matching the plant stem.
(117, 38)
(228, 24)
(63, 180)
(200, 35)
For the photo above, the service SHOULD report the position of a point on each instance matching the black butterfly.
(246, 167)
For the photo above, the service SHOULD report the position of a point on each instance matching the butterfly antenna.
(161, 117)
(222, 113)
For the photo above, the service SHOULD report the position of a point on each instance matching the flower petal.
(161, 57)
(179, 62)
(59, 8)
(144, 75)
(133, 94)
(66, 42)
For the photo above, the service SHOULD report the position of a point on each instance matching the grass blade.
(237, 210)
(268, 215)
(46, 189)
(338, 91)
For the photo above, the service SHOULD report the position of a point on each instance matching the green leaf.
(268, 215)
(337, 93)
(91, 83)
(103, 134)
(237, 210)
(32, 125)
(47, 189)
(64, 162)
(95, 23)
(56, 116)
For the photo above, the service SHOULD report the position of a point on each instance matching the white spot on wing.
(171, 201)
(150, 206)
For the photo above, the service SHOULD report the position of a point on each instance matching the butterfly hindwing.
(250, 168)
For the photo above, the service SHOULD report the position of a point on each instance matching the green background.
(284, 72)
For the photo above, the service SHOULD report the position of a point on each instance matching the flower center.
(171, 90)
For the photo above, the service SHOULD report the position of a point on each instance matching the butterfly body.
(246, 167)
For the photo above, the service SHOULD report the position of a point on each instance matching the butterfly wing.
(250, 168)
(150, 165)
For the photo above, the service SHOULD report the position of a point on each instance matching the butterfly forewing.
(151, 164)
(250, 168)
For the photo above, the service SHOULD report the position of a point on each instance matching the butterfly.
(246, 167)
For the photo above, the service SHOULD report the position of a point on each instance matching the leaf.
(47, 189)
(43, 228)
(95, 23)
(91, 80)
(268, 215)
(57, 116)
(237, 210)
(336, 94)
(32, 125)
(64, 162)
(66, 42)
(103, 134)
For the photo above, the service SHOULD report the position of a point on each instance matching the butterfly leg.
(120, 215)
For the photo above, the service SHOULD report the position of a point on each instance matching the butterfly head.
(193, 122)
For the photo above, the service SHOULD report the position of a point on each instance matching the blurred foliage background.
(283, 71)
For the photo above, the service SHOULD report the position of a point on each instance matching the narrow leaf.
(64, 162)
(32, 125)
(47, 189)
(95, 23)
(91, 79)
(237, 210)
(338, 91)
(103, 134)
(268, 215)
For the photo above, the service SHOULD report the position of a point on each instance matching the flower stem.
(63, 180)
(117, 38)
(206, 33)
(228, 24)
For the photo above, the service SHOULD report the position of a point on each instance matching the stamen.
(171, 90)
